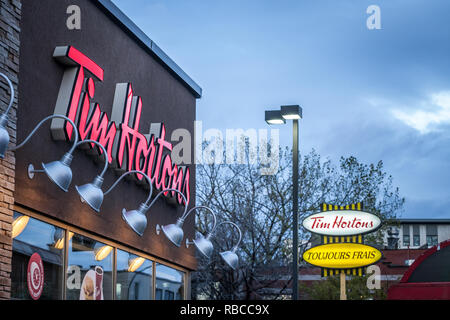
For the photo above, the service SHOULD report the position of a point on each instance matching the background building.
(419, 233)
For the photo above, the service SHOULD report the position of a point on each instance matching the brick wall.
(10, 13)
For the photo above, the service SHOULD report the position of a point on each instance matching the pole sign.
(342, 248)
(342, 255)
(342, 223)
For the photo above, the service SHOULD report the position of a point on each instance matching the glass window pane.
(406, 240)
(89, 271)
(134, 277)
(169, 283)
(431, 230)
(406, 229)
(416, 241)
(35, 241)
(432, 241)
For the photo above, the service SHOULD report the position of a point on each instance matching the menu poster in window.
(35, 276)
(92, 285)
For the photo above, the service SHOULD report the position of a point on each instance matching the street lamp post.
(294, 113)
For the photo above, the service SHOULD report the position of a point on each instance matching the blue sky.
(375, 94)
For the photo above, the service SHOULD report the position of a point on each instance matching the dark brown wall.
(165, 100)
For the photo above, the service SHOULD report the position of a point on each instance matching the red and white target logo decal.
(35, 276)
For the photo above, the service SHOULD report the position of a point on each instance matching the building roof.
(394, 261)
(424, 221)
(147, 44)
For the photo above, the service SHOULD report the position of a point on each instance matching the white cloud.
(425, 121)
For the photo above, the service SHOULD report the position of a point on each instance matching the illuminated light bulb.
(134, 264)
(275, 121)
(59, 244)
(102, 252)
(19, 225)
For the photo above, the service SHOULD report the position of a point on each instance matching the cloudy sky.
(375, 94)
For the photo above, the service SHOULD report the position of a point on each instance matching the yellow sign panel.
(342, 255)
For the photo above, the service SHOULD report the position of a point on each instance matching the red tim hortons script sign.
(342, 222)
(127, 148)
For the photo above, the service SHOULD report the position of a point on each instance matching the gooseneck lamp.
(58, 171)
(202, 243)
(4, 135)
(174, 232)
(91, 193)
(230, 256)
(135, 219)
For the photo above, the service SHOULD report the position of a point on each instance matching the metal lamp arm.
(105, 154)
(39, 125)
(207, 208)
(233, 224)
(179, 192)
(130, 172)
(11, 87)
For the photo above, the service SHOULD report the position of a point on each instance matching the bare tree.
(262, 206)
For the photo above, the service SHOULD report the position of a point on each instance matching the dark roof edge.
(133, 30)
(424, 221)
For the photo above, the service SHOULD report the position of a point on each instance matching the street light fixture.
(274, 117)
(294, 113)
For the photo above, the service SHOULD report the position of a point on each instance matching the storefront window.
(169, 283)
(38, 267)
(134, 277)
(37, 260)
(89, 271)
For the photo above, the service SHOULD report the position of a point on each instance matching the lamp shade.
(19, 225)
(291, 112)
(4, 141)
(135, 263)
(274, 117)
(231, 258)
(59, 171)
(174, 232)
(91, 193)
(204, 245)
(136, 219)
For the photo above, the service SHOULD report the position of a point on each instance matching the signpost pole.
(343, 290)
(295, 210)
